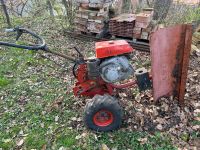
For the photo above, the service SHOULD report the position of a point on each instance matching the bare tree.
(161, 8)
(150, 3)
(23, 6)
(68, 4)
(135, 4)
(50, 7)
(6, 13)
(17, 7)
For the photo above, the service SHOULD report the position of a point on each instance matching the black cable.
(74, 69)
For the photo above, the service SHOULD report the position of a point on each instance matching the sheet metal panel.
(170, 50)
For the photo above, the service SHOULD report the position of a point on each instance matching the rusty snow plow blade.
(170, 50)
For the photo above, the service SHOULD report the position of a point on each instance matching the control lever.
(78, 51)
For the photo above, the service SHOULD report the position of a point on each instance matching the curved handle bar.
(20, 31)
(9, 30)
(42, 46)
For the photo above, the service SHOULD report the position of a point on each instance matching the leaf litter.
(141, 112)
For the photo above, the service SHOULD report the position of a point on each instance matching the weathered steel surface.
(170, 50)
(185, 63)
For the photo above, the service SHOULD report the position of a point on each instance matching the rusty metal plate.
(170, 50)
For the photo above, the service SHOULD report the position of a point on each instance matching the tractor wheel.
(103, 113)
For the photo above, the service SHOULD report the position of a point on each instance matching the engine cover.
(115, 69)
(112, 48)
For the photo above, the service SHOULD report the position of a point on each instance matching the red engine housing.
(90, 87)
(86, 86)
(112, 48)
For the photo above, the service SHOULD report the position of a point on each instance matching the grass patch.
(195, 122)
(131, 140)
(35, 141)
(4, 81)
(66, 140)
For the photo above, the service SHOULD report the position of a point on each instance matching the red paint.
(170, 51)
(103, 118)
(91, 87)
(122, 86)
(87, 87)
(112, 48)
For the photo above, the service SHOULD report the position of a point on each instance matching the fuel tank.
(112, 48)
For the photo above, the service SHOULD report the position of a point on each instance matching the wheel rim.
(103, 118)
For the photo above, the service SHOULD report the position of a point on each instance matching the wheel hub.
(103, 118)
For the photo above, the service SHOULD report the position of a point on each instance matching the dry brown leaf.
(195, 49)
(159, 127)
(142, 140)
(74, 119)
(78, 119)
(155, 112)
(122, 94)
(196, 127)
(62, 148)
(104, 147)
(78, 137)
(56, 118)
(198, 89)
(44, 147)
(160, 120)
(84, 134)
(197, 118)
(20, 142)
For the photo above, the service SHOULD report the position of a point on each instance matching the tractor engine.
(111, 70)
(115, 69)
(110, 65)
(115, 66)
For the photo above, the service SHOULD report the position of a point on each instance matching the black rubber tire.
(105, 102)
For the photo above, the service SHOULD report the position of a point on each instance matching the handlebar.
(9, 30)
(20, 31)
(42, 46)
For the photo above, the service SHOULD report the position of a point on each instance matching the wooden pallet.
(91, 15)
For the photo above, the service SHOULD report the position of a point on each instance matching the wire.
(74, 69)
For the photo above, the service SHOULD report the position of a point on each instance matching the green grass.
(4, 81)
(130, 140)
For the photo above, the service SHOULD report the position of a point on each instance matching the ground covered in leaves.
(39, 111)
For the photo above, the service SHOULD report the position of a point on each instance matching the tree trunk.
(6, 13)
(116, 8)
(161, 8)
(135, 4)
(68, 7)
(49, 4)
(150, 3)
(23, 6)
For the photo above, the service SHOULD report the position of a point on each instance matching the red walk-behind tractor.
(98, 78)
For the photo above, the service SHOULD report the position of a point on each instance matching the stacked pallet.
(91, 15)
(142, 27)
(122, 25)
(136, 26)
